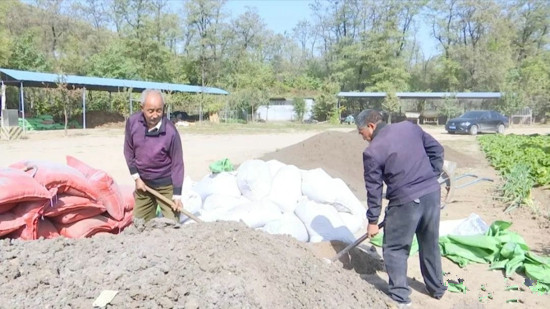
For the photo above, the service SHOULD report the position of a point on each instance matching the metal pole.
(339, 110)
(3, 104)
(131, 107)
(84, 108)
(22, 99)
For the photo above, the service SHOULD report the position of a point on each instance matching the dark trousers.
(420, 217)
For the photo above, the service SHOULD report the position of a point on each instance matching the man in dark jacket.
(153, 152)
(409, 161)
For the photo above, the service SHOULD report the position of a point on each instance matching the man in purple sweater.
(409, 161)
(153, 152)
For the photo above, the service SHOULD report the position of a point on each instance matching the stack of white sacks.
(277, 198)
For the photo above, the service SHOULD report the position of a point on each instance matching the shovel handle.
(171, 203)
(354, 244)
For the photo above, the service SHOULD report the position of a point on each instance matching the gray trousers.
(420, 217)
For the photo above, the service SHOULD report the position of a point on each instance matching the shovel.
(171, 203)
(353, 245)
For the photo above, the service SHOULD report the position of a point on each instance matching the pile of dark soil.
(162, 265)
(339, 154)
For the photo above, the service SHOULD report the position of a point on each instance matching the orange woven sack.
(28, 212)
(128, 196)
(54, 175)
(87, 227)
(71, 204)
(9, 223)
(73, 216)
(18, 186)
(46, 229)
(6, 207)
(103, 183)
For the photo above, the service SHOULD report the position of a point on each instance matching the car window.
(472, 114)
(495, 115)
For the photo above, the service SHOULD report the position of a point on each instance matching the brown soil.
(338, 153)
(162, 265)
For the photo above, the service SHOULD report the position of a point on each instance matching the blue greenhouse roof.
(37, 79)
(424, 95)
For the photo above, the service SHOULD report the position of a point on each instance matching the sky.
(279, 15)
(283, 15)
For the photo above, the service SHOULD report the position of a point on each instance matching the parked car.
(473, 122)
(349, 119)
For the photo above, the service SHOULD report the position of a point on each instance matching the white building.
(281, 109)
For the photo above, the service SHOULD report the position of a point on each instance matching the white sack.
(254, 214)
(188, 183)
(345, 200)
(286, 188)
(192, 202)
(274, 166)
(317, 186)
(221, 183)
(288, 224)
(254, 179)
(223, 201)
(213, 215)
(473, 225)
(354, 223)
(323, 222)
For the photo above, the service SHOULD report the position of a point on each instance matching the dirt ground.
(229, 266)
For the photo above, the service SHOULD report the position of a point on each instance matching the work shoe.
(433, 295)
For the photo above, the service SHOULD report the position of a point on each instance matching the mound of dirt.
(164, 265)
(95, 119)
(339, 154)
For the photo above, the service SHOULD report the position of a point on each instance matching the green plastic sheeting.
(499, 247)
(223, 165)
(502, 249)
(45, 122)
(378, 240)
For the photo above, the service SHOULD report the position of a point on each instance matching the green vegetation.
(492, 45)
(299, 108)
(523, 161)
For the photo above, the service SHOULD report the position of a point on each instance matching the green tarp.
(499, 247)
(223, 165)
(45, 122)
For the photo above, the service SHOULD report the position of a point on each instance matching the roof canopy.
(36, 79)
(424, 95)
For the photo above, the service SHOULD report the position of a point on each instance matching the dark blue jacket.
(156, 156)
(404, 157)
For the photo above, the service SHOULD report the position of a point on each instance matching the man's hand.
(178, 203)
(372, 229)
(140, 185)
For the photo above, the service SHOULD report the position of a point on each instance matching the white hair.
(146, 92)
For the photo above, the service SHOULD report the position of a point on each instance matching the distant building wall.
(283, 110)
